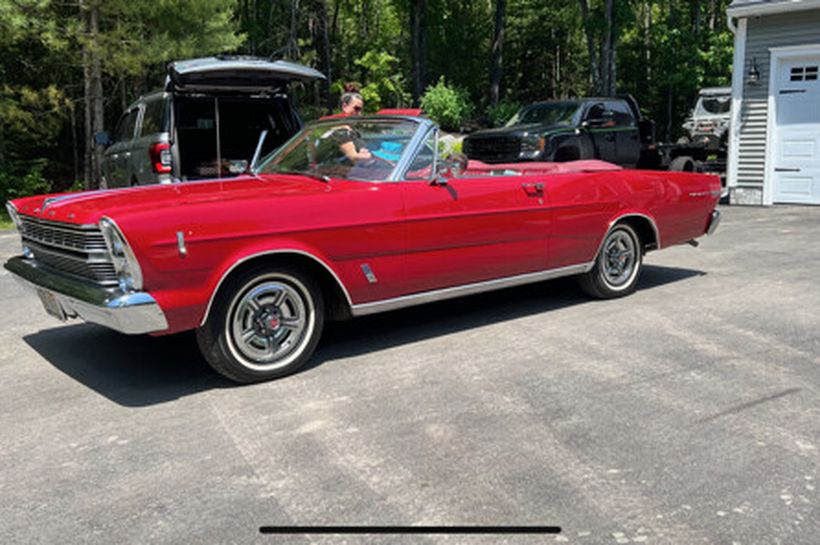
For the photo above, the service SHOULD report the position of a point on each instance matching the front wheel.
(265, 324)
(617, 265)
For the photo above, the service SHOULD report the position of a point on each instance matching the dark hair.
(350, 91)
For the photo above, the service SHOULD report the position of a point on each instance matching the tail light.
(160, 154)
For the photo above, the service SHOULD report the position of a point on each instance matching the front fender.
(205, 267)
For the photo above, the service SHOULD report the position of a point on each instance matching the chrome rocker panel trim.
(131, 313)
(467, 289)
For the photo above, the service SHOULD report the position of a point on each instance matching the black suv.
(610, 129)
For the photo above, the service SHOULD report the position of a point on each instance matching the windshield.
(713, 105)
(351, 148)
(551, 113)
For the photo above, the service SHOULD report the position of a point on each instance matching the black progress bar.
(415, 530)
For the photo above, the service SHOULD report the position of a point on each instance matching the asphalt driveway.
(686, 413)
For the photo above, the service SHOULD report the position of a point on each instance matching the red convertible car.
(350, 217)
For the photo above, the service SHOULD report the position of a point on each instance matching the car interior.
(217, 136)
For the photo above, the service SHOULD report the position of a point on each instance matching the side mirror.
(596, 122)
(438, 180)
(102, 138)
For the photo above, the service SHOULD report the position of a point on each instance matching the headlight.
(12, 212)
(15, 218)
(122, 256)
(531, 146)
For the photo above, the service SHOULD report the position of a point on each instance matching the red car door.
(473, 229)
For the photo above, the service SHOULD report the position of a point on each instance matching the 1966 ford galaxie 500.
(350, 217)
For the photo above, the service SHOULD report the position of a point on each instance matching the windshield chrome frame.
(413, 149)
(422, 128)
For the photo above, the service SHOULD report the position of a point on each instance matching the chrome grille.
(493, 150)
(77, 250)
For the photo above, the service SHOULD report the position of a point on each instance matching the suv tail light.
(160, 154)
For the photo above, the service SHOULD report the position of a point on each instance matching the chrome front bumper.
(65, 297)
(714, 220)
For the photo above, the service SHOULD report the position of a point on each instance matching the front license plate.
(51, 304)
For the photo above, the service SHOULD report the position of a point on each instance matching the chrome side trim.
(467, 289)
(271, 252)
(636, 215)
(368, 273)
(629, 215)
(131, 313)
(183, 251)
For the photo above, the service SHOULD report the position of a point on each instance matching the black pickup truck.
(610, 129)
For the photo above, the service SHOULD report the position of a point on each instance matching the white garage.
(774, 146)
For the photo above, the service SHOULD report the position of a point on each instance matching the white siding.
(780, 30)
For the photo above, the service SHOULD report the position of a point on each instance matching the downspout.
(738, 28)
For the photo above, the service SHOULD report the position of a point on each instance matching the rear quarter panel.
(585, 205)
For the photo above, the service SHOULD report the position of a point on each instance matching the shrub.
(386, 86)
(31, 183)
(447, 106)
(502, 112)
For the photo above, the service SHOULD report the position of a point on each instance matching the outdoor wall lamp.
(753, 76)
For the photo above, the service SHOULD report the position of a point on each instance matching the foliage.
(385, 85)
(502, 112)
(665, 51)
(31, 183)
(447, 106)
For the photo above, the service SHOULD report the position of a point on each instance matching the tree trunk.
(293, 35)
(87, 113)
(97, 124)
(497, 66)
(594, 71)
(325, 23)
(418, 12)
(74, 147)
(92, 86)
(607, 52)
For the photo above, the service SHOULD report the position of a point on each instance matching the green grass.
(5, 221)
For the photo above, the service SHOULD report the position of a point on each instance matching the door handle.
(534, 190)
(787, 170)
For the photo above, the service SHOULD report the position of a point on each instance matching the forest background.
(68, 68)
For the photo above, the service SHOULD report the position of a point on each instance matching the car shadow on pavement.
(139, 371)
(130, 370)
(383, 331)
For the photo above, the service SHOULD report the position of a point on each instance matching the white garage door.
(797, 131)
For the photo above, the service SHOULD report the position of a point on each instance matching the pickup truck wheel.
(684, 163)
(265, 324)
(617, 265)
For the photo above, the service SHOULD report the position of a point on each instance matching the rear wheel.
(265, 324)
(684, 163)
(617, 266)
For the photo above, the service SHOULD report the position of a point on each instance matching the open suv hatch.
(206, 123)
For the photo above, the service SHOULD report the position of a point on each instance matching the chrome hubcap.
(269, 322)
(618, 258)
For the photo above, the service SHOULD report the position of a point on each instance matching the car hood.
(88, 207)
(518, 130)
